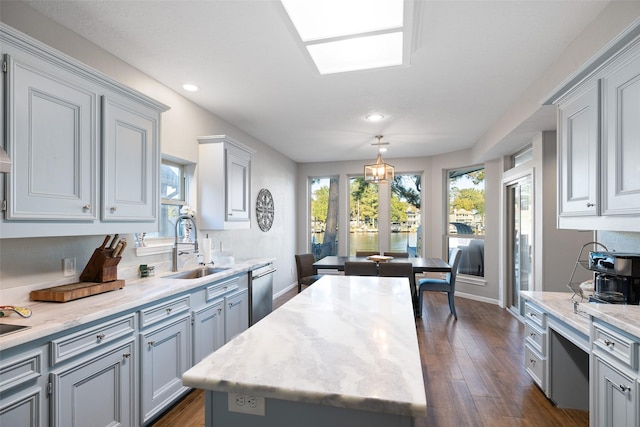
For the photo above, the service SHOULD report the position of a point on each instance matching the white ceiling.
(471, 60)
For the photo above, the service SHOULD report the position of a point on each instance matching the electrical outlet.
(246, 404)
(69, 267)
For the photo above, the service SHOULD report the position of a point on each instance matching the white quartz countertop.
(52, 317)
(625, 317)
(346, 341)
(560, 305)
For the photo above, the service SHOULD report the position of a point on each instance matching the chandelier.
(379, 172)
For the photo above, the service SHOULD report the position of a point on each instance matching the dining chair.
(401, 269)
(360, 268)
(366, 253)
(397, 254)
(304, 267)
(447, 285)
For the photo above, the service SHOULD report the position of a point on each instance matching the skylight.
(349, 35)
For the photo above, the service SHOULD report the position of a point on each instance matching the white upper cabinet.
(578, 129)
(224, 183)
(52, 139)
(599, 141)
(621, 136)
(131, 158)
(79, 166)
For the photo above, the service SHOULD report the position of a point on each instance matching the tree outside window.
(466, 214)
(324, 216)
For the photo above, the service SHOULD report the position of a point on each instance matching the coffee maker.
(617, 277)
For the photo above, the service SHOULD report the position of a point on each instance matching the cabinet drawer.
(535, 315)
(616, 345)
(89, 339)
(535, 365)
(19, 370)
(535, 337)
(163, 311)
(218, 289)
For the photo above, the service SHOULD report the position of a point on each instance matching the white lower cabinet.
(535, 348)
(124, 370)
(208, 329)
(22, 391)
(165, 351)
(616, 396)
(616, 377)
(236, 313)
(96, 391)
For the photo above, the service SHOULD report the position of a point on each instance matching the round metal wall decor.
(264, 209)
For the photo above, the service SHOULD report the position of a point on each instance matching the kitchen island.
(343, 353)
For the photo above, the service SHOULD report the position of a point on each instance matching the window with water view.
(466, 212)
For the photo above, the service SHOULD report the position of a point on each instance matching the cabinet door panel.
(621, 103)
(166, 353)
(98, 391)
(578, 131)
(52, 140)
(237, 187)
(208, 330)
(616, 394)
(22, 410)
(130, 162)
(236, 314)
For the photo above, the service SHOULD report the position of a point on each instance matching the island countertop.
(346, 341)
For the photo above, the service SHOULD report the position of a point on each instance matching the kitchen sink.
(196, 273)
(5, 328)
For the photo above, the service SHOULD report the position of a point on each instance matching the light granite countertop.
(346, 341)
(52, 317)
(560, 305)
(625, 317)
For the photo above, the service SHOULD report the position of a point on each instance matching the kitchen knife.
(106, 240)
(113, 242)
(119, 248)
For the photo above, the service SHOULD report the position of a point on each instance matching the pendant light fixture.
(379, 172)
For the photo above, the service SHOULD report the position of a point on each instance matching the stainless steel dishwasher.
(261, 292)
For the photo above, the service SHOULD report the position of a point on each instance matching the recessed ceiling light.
(375, 117)
(190, 87)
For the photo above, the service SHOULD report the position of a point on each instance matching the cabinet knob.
(219, 310)
(532, 361)
(169, 310)
(151, 343)
(609, 343)
(86, 207)
(126, 355)
(531, 334)
(100, 336)
(590, 205)
(113, 208)
(624, 388)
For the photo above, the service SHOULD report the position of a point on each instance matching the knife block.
(102, 267)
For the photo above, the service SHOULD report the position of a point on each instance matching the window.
(363, 216)
(405, 214)
(324, 216)
(172, 197)
(522, 156)
(466, 218)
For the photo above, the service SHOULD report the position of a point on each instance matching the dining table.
(420, 265)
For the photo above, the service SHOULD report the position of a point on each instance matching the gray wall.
(38, 260)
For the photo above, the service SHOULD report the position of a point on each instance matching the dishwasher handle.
(273, 270)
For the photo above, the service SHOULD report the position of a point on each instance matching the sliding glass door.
(519, 240)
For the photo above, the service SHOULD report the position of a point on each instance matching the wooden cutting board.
(74, 291)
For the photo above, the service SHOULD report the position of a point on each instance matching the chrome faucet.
(174, 261)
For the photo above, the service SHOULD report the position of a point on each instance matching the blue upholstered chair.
(447, 285)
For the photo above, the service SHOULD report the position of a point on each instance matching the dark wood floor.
(473, 372)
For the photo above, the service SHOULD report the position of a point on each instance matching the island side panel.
(283, 413)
